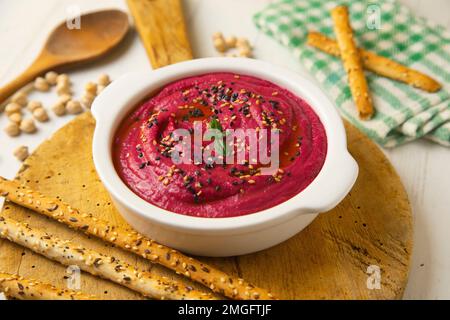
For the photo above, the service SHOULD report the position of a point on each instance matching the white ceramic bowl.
(222, 236)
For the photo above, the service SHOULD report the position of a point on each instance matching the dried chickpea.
(242, 43)
(87, 99)
(62, 89)
(59, 109)
(15, 117)
(245, 52)
(64, 98)
(40, 115)
(103, 80)
(230, 42)
(21, 153)
(20, 98)
(74, 107)
(28, 126)
(63, 78)
(32, 105)
(12, 129)
(220, 45)
(41, 84)
(13, 107)
(51, 77)
(91, 87)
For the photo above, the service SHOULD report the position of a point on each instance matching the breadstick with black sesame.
(17, 287)
(378, 64)
(95, 263)
(132, 241)
(352, 62)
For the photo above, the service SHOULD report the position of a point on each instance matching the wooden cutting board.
(327, 260)
(371, 229)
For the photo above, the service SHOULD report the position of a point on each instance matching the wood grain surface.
(161, 26)
(328, 260)
(102, 31)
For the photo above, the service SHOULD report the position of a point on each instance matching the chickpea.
(28, 126)
(242, 43)
(32, 105)
(12, 129)
(41, 84)
(51, 77)
(91, 87)
(13, 107)
(63, 89)
(40, 115)
(59, 109)
(87, 99)
(64, 98)
(230, 42)
(103, 80)
(15, 117)
(20, 98)
(63, 78)
(21, 153)
(245, 52)
(74, 107)
(220, 45)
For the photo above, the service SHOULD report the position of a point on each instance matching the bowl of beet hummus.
(220, 156)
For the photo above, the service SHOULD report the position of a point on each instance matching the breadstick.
(132, 241)
(95, 263)
(378, 64)
(352, 62)
(17, 287)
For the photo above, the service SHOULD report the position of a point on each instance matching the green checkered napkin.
(402, 112)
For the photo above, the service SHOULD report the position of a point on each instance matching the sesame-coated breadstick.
(378, 64)
(352, 62)
(17, 287)
(132, 241)
(95, 263)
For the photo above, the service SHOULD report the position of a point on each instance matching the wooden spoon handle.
(40, 65)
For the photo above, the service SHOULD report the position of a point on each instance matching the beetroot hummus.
(143, 146)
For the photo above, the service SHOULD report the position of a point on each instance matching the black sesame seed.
(205, 269)
(196, 199)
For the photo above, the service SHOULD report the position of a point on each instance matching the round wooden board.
(328, 260)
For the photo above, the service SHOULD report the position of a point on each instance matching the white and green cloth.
(403, 113)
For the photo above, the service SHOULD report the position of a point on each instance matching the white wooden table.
(423, 166)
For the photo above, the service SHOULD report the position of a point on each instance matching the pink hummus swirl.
(142, 146)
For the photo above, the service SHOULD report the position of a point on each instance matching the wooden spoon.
(99, 32)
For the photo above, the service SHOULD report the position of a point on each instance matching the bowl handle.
(333, 185)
